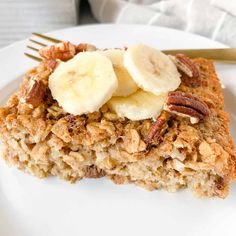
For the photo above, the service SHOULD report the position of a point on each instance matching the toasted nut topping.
(94, 172)
(185, 104)
(63, 51)
(52, 64)
(35, 92)
(186, 65)
(82, 47)
(187, 100)
(158, 127)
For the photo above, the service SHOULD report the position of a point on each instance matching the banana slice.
(84, 83)
(138, 106)
(126, 85)
(152, 70)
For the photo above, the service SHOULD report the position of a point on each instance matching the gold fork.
(224, 55)
(35, 42)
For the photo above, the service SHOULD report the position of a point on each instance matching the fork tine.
(47, 38)
(34, 49)
(39, 43)
(33, 57)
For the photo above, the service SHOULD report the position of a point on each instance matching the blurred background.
(214, 19)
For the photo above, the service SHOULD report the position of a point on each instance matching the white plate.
(34, 207)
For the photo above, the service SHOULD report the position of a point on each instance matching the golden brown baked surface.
(41, 139)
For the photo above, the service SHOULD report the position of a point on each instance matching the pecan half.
(34, 93)
(63, 51)
(82, 47)
(94, 172)
(186, 65)
(159, 127)
(185, 104)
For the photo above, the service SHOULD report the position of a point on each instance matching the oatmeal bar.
(187, 146)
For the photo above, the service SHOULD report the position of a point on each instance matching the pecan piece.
(94, 172)
(34, 93)
(186, 65)
(82, 47)
(159, 127)
(191, 74)
(51, 64)
(63, 51)
(184, 104)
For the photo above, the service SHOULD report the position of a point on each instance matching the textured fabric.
(215, 19)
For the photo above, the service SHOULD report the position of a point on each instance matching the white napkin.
(215, 19)
(18, 18)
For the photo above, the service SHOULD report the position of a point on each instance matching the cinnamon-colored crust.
(43, 140)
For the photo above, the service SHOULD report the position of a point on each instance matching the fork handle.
(225, 55)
